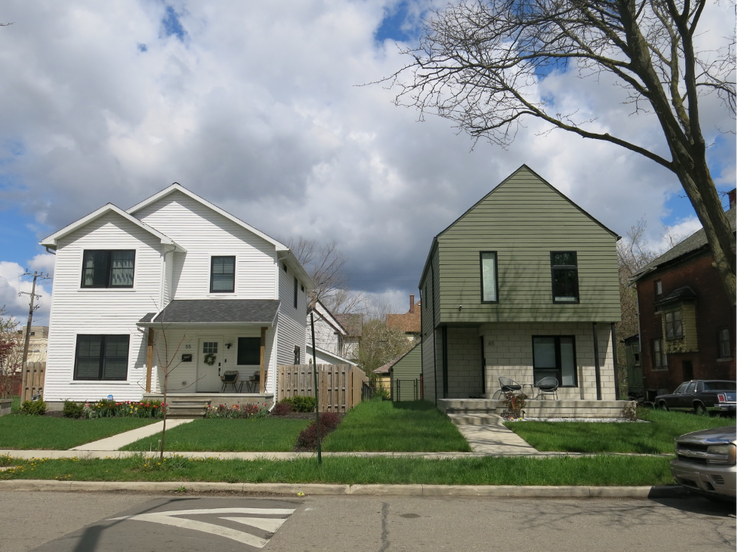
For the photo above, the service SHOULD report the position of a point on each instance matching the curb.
(479, 491)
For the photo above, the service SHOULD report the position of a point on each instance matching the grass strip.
(587, 471)
(228, 435)
(640, 438)
(384, 426)
(18, 431)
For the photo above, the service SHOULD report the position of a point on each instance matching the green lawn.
(228, 435)
(384, 426)
(639, 438)
(592, 471)
(45, 432)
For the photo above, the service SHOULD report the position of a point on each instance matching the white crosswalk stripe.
(272, 519)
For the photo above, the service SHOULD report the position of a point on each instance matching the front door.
(210, 357)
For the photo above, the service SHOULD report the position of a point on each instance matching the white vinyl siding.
(292, 321)
(203, 233)
(106, 311)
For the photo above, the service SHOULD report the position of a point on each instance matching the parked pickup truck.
(697, 395)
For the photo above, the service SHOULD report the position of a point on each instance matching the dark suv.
(697, 395)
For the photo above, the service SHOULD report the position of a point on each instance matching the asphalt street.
(104, 521)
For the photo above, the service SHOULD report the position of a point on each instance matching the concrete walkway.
(122, 439)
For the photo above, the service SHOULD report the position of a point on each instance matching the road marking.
(268, 524)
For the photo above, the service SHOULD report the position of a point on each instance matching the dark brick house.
(687, 322)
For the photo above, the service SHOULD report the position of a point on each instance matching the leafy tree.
(479, 64)
(379, 345)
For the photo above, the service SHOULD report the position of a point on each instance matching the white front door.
(210, 358)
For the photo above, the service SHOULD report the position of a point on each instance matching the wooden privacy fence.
(34, 380)
(339, 385)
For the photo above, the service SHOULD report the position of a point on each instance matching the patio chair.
(510, 385)
(252, 385)
(230, 377)
(547, 386)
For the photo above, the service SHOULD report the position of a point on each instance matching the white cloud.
(15, 293)
(258, 110)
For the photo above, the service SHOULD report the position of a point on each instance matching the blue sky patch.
(142, 47)
(171, 24)
(395, 25)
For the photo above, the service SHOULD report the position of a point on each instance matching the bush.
(308, 439)
(33, 408)
(73, 409)
(302, 403)
(236, 411)
(283, 408)
(105, 408)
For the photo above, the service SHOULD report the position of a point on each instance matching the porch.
(483, 411)
(194, 405)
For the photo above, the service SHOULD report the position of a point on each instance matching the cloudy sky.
(259, 108)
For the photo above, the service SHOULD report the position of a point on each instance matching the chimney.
(731, 198)
(412, 303)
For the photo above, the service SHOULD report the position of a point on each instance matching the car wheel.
(662, 406)
(699, 409)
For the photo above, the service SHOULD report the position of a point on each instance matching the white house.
(172, 285)
(330, 336)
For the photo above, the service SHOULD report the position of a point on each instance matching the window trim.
(659, 362)
(481, 278)
(557, 344)
(562, 268)
(101, 357)
(673, 324)
(233, 281)
(108, 269)
(294, 294)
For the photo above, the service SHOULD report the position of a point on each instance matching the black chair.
(230, 378)
(507, 385)
(547, 386)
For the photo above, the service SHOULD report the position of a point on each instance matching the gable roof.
(387, 368)
(284, 253)
(684, 248)
(522, 168)
(51, 241)
(322, 311)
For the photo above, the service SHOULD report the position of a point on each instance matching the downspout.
(433, 330)
(596, 345)
(615, 360)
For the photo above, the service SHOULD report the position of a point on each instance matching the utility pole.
(31, 307)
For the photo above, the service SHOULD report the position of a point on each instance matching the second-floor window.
(222, 274)
(673, 324)
(564, 277)
(488, 267)
(105, 268)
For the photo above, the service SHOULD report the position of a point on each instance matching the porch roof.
(215, 311)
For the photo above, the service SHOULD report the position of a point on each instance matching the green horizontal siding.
(523, 220)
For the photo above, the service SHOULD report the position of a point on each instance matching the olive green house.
(524, 285)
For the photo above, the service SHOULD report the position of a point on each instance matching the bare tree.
(325, 263)
(11, 352)
(479, 62)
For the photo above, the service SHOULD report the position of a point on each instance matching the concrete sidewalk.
(122, 439)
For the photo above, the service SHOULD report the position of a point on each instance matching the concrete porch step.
(187, 408)
(477, 419)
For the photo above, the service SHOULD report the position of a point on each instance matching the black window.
(295, 294)
(222, 274)
(101, 357)
(249, 351)
(723, 343)
(564, 277)
(658, 288)
(488, 269)
(297, 355)
(555, 356)
(673, 322)
(103, 268)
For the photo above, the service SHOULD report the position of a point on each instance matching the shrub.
(236, 411)
(282, 408)
(105, 408)
(34, 408)
(302, 403)
(514, 405)
(382, 394)
(73, 409)
(308, 438)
